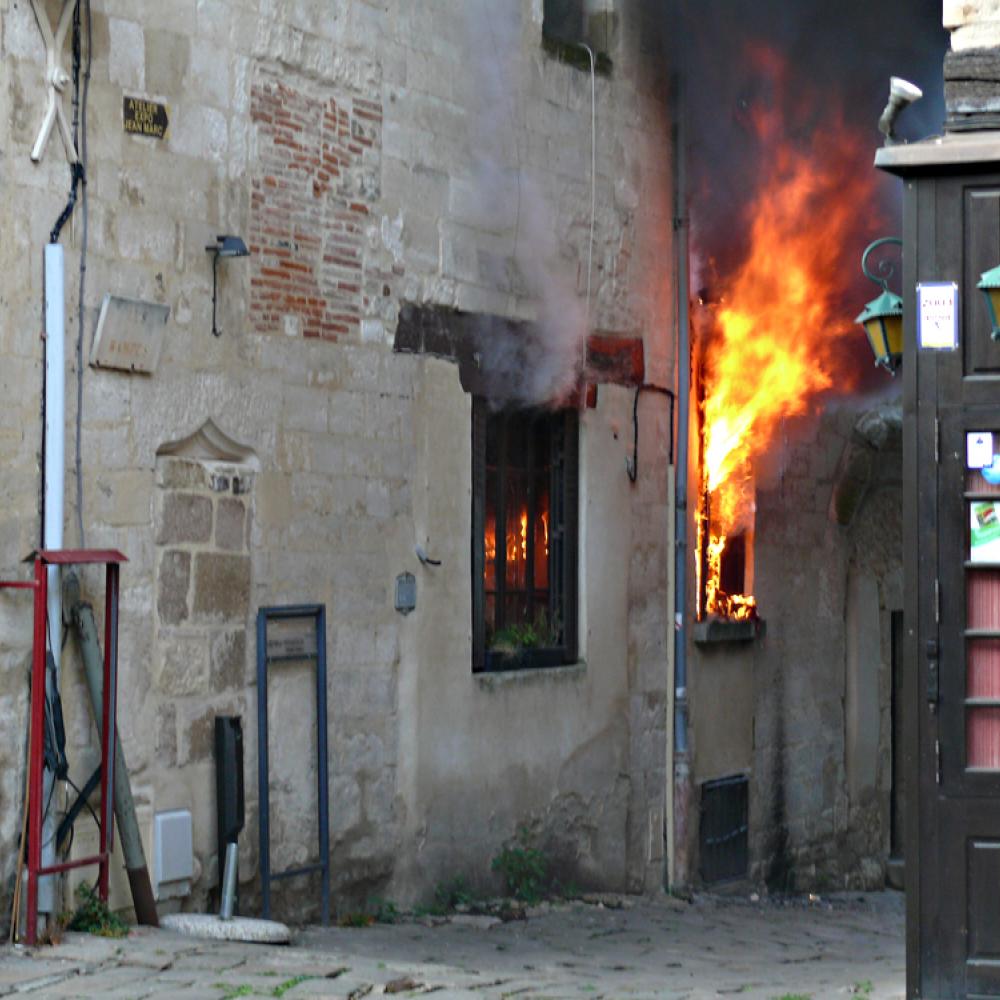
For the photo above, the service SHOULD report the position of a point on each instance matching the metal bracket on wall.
(56, 79)
(287, 644)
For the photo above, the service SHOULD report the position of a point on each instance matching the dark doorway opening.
(724, 829)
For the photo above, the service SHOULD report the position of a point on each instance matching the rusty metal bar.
(42, 561)
(65, 866)
(35, 749)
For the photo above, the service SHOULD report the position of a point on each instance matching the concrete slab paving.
(633, 949)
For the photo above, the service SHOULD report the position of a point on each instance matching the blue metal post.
(264, 823)
(317, 612)
(321, 770)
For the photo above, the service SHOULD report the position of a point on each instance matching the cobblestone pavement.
(841, 946)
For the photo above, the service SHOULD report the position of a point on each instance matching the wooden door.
(952, 640)
(963, 691)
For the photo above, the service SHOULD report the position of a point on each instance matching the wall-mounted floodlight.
(225, 246)
(902, 94)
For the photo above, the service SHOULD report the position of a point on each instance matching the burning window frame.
(721, 555)
(561, 536)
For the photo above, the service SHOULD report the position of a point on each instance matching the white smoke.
(541, 363)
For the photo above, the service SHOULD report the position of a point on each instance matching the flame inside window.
(516, 547)
(725, 566)
(779, 333)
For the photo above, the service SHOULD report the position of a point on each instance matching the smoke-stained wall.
(372, 155)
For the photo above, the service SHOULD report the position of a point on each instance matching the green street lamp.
(882, 318)
(989, 285)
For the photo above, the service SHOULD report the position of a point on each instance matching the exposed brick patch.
(316, 178)
(619, 360)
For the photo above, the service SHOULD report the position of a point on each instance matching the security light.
(225, 246)
(902, 94)
(230, 246)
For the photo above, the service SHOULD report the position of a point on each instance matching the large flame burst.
(776, 339)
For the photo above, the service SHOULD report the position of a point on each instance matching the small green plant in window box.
(512, 643)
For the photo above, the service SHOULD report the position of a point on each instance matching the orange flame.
(777, 339)
(517, 543)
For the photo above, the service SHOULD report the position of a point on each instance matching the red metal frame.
(111, 559)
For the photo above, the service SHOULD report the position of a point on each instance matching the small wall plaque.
(406, 593)
(142, 117)
(291, 638)
(978, 449)
(129, 334)
(937, 316)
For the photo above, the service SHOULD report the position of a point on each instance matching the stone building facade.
(375, 156)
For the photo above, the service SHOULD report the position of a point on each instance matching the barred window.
(524, 545)
(567, 24)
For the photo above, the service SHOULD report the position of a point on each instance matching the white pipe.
(54, 495)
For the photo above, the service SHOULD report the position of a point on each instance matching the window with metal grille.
(563, 20)
(724, 829)
(568, 25)
(524, 545)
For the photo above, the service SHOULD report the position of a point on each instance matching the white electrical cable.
(593, 169)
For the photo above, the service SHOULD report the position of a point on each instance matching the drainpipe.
(681, 765)
(53, 493)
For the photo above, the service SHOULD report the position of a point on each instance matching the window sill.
(573, 54)
(524, 659)
(490, 680)
(713, 631)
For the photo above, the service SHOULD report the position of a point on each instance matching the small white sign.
(978, 449)
(937, 316)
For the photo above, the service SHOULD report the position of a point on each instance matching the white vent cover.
(173, 857)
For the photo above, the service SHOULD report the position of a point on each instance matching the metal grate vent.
(723, 829)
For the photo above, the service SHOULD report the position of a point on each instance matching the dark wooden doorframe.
(897, 755)
(952, 821)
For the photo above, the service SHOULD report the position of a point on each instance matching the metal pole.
(124, 806)
(229, 881)
(35, 751)
(109, 727)
(324, 787)
(681, 764)
(262, 779)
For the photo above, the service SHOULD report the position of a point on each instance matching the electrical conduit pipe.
(53, 499)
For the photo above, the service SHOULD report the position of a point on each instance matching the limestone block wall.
(822, 676)
(282, 461)
(974, 24)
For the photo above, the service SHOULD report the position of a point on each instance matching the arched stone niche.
(203, 523)
(866, 501)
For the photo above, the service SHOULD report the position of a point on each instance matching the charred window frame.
(524, 609)
(567, 26)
